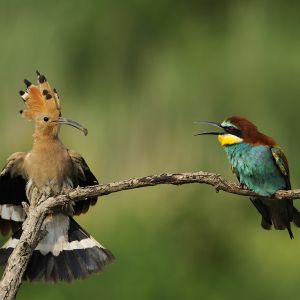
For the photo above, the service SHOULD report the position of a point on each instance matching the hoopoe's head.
(43, 107)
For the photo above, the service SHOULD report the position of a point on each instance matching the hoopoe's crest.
(43, 107)
(40, 100)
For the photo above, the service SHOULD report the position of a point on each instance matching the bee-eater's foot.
(243, 186)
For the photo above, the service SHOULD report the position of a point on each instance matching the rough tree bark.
(39, 208)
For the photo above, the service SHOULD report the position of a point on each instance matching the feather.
(79, 256)
(82, 177)
(12, 193)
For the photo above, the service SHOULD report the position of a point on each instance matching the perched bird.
(261, 166)
(67, 252)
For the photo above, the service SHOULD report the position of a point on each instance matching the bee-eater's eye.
(46, 119)
(233, 130)
(230, 129)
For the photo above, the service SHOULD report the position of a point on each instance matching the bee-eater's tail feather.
(290, 231)
(277, 213)
(280, 215)
(266, 221)
(265, 225)
(296, 217)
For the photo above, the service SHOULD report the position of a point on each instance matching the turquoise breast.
(256, 168)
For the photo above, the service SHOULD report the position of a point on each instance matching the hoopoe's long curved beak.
(65, 121)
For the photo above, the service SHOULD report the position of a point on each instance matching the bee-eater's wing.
(282, 164)
(12, 193)
(82, 177)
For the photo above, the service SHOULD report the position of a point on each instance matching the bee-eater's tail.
(279, 213)
(67, 252)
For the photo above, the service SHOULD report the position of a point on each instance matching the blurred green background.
(137, 73)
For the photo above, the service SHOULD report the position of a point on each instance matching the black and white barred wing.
(12, 193)
(83, 176)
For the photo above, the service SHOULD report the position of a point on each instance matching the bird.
(67, 252)
(260, 165)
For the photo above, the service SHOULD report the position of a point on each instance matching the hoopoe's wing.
(12, 193)
(82, 177)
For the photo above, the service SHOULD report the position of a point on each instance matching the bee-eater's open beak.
(65, 121)
(216, 124)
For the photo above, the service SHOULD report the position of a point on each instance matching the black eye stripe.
(233, 130)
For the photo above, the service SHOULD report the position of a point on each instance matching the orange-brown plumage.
(40, 100)
(66, 252)
(251, 134)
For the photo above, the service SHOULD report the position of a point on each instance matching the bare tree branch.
(36, 214)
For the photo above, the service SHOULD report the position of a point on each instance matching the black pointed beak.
(208, 133)
(216, 124)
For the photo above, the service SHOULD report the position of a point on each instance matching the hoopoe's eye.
(46, 119)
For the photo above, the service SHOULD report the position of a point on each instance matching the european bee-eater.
(67, 252)
(261, 166)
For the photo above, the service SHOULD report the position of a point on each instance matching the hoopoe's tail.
(66, 253)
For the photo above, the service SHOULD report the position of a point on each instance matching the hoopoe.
(67, 252)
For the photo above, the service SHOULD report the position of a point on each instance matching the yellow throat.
(229, 139)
